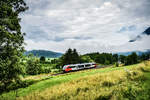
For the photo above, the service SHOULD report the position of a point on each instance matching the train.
(76, 67)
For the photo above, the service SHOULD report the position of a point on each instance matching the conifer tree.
(75, 58)
(70, 57)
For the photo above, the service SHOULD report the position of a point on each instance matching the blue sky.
(87, 25)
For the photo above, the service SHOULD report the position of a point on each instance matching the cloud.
(99, 25)
(129, 28)
(141, 45)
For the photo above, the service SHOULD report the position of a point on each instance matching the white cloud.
(87, 25)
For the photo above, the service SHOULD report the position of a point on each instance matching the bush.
(33, 67)
(46, 70)
(116, 64)
(16, 85)
(9, 73)
(107, 62)
(86, 59)
(42, 59)
(55, 70)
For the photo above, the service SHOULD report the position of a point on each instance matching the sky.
(87, 25)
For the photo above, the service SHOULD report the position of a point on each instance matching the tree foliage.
(115, 58)
(33, 66)
(131, 59)
(102, 58)
(11, 40)
(42, 59)
(70, 57)
(108, 58)
(86, 59)
(122, 58)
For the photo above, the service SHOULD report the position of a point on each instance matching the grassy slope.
(48, 86)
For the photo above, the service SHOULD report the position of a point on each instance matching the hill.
(45, 53)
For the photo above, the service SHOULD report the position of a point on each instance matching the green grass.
(57, 80)
(49, 59)
(128, 84)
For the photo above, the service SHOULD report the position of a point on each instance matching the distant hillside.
(45, 53)
(137, 52)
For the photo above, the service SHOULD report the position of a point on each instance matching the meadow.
(111, 83)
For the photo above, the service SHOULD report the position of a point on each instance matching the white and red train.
(75, 67)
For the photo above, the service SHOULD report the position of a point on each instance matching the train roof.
(79, 64)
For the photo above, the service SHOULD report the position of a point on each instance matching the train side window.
(80, 66)
(72, 66)
(88, 65)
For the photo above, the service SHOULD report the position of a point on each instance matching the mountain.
(146, 32)
(45, 53)
(137, 52)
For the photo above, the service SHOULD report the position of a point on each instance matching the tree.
(104, 58)
(70, 57)
(144, 56)
(131, 59)
(42, 59)
(115, 58)
(134, 58)
(128, 60)
(75, 57)
(122, 58)
(67, 57)
(33, 66)
(11, 40)
(85, 59)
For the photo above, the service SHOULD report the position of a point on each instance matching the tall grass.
(121, 84)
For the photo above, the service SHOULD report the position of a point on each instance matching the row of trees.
(72, 57)
(34, 65)
(104, 58)
(108, 58)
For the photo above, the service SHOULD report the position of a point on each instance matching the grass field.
(114, 83)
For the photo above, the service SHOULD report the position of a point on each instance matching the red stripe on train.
(68, 69)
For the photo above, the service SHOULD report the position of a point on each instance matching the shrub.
(55, 70)
(33, 67)
(107, 62)
(16, 85)
(46, 70)
(116, 64)
(42, 59)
